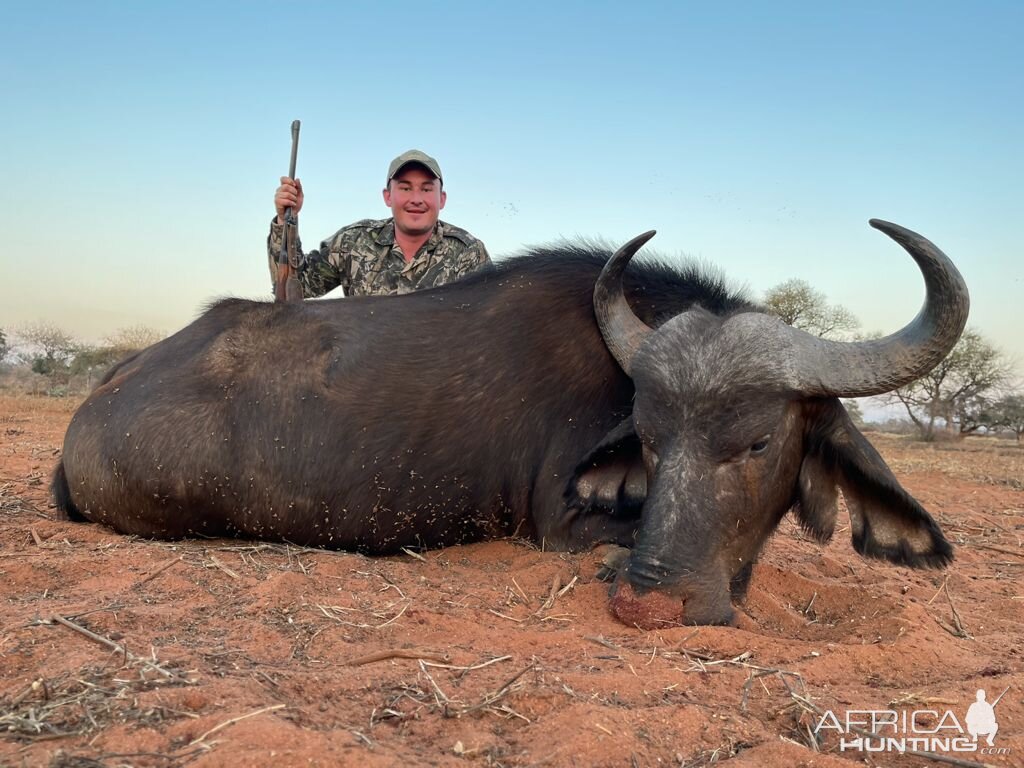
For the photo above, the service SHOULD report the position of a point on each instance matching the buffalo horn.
(859, 369)
(622, 330)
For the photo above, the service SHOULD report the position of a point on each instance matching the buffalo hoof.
(614, 560)
(652, 610)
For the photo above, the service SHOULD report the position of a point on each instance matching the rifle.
(287, 287)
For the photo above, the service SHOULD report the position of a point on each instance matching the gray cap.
(413, 156)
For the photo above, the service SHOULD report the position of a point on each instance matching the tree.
(974, 413)
(1008, 412)
(799, 305)
(48, 350)
(132, 339)
(90, 361)
(4, 348)
(954, 394)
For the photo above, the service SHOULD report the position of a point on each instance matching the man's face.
(415, 198)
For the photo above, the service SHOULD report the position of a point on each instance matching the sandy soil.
(497, 654)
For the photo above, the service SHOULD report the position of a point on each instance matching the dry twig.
(481, 665)
(556, 585)
(324, 610)
(234, 720)
(417, 555)
(114, 646)
(397, 653)
(490, 698)
(160, 569)
(219, 564)
(522, 594)
(957, 630)
(504, 616)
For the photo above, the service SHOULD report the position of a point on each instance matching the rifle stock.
(287, 287)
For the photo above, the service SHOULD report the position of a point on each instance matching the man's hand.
(288, 195)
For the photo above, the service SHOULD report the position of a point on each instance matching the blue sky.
(142, 142)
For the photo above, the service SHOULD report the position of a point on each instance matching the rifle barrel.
(291, 165)
(295, 148)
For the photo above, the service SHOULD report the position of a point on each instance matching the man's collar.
(437, 234)
(386, 236)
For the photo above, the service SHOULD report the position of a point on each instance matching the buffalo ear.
(611, 478)
(885, 520)
(817, 498)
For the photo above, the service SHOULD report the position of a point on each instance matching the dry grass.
(17, 407)
(86, 701)
(988, 460)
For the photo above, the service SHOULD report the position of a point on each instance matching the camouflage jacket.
(364, 259)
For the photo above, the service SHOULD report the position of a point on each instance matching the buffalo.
(556, 396)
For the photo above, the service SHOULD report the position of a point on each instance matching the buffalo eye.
(760, 446)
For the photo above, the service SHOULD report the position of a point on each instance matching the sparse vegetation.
(48, 351)
(950, 400)
(46, 359)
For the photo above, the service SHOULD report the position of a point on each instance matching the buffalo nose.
(651, 610)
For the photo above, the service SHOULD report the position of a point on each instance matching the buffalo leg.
(588, 530)
(740, 582)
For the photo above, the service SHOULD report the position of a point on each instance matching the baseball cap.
(413, 156)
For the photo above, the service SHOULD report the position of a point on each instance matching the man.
(411, 250)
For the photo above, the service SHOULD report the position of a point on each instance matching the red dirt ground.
(497, 654)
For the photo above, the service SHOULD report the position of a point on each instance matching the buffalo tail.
(62, 495)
